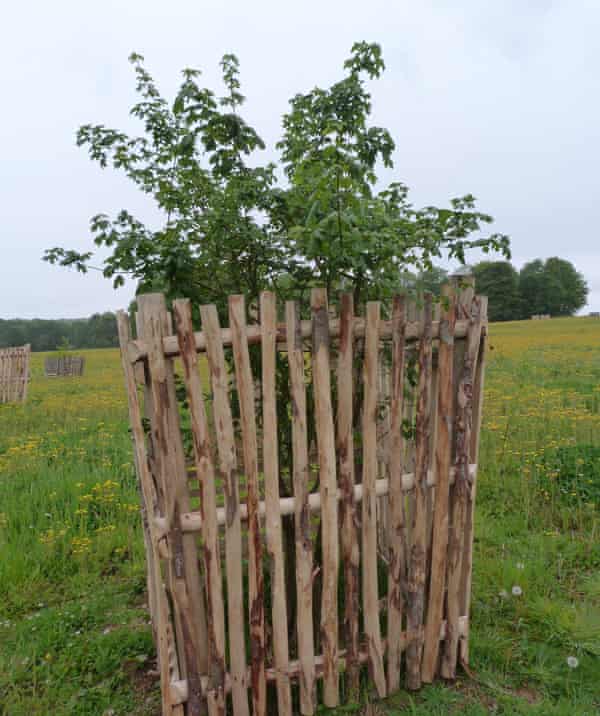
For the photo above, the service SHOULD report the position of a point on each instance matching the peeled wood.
(417, 563)
(245, 388)
(348, 531)
(443, 451)
(369, 503)
(138, 350)
(229, 515)
(301, 509)
(328, 488)
(467, 566)
(185, 583)
(156, 593)
(192, 521)
(462, 484)
(208, 508)
(268, 319)
(397, 547)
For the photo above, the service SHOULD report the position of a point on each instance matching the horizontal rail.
(179, 689)
(192, 521)
(138, 350)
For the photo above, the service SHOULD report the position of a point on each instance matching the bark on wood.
(227, 468)
(304, 549)
(349, 535)
(245, 388)
(328, 488)
(397, 585)
(268, 319)
(462, 485)
(203, 455)
(369, 503)
(185, 583)
(443, 449)
(417, 563)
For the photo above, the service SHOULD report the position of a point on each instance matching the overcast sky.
(498, 98)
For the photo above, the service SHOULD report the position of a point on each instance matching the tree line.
(551, 287)
(98, 331)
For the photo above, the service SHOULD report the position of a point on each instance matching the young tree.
(230, 225)
(499, 281)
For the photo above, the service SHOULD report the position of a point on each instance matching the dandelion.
(572, 662)
(517, 591)
(503, 594)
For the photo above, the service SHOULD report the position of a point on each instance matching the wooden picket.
(392, 503)
(14, 374)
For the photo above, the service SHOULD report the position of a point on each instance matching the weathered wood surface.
(328, 489)
(301, 509)
(268, 317)
(64, 366)
(185, 585)
(417, 566)
(443, 455)
(14, 374)
(348, 533)
(411, 513)
(203, 456)
(227, 469)
(256, 607)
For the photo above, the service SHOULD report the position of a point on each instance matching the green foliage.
(573, 474)
(499, 281)
(234, 225)
(552, 287)
(98, 331)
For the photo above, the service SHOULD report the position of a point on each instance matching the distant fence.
(541, 317)
(64, 366)
(14, 374)
(315, 611)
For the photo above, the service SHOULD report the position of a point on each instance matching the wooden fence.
(14, 374)
(238, 615)
(64, 366)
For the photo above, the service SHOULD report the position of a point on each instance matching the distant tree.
(554, 287)
(499, 281)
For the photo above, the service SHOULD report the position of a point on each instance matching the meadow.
(74, 631)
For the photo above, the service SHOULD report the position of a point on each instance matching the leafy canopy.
(232, 224)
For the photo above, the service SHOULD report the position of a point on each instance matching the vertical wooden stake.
(304, 550)
(369, 501)
(417, 564)
(208, 508)
(233, 527)
(349, 536)
(328, 486)
(268, 319)
(443, 461)
(245, 387)
(397, 585)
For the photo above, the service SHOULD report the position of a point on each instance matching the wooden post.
(397, 585)
(304, 550)
(369, 502)
(443, 461)
(417, 564)
(466, 578)
(245, 387)
(156, 595)
(462, 483)
(205, 471)
(345, 450)
(227, 467)
(328, 487)
(171, 464)
(268, 319)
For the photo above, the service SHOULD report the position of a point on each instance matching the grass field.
(74, 634)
